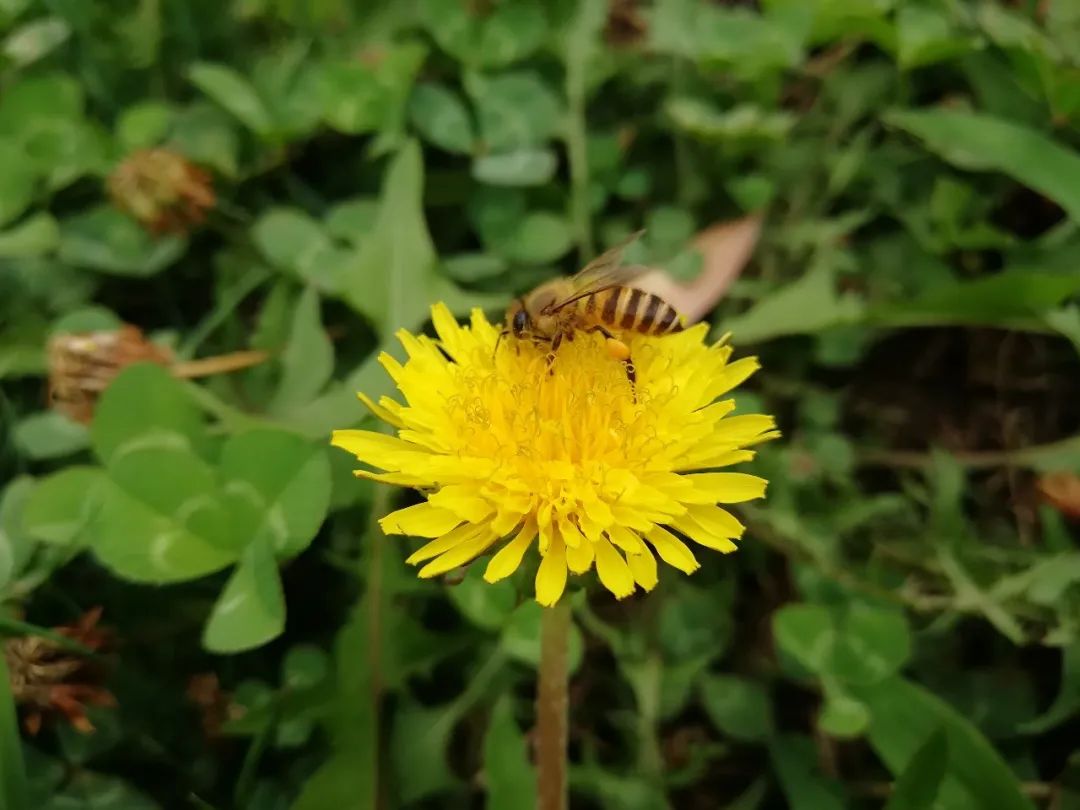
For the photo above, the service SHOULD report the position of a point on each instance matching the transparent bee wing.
(603, 273)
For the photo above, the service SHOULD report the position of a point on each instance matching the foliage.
(902, 623)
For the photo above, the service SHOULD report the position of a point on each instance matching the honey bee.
(597, 299)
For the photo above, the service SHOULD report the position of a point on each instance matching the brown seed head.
(162, 189)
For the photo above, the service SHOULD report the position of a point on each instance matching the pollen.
(563, 458)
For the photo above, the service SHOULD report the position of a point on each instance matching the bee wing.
(602, 273)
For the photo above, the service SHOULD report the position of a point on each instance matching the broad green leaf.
(473, 267)
(904, 715)
(13, 785)
(235, 94)
(160, 515)
(251, 608)
(278, 486)
(422, 735)
(505, 34)
(62, 505)
(145, 406)
(38, 235)
(33, 100)
(515, 109)
(805, 632)
(144, 124)
(994, 300)
(391, 272)
(984, 143)
(744, 123)
(293, 241)
(809, 304)
(842, 716)
(509, 775)
(308, 359)
(521, 167)
(16, 542)
(521, 637)
(539, 237)
(358, 97)
(30, 42)
(18, 180)
(795, 761)
(925, 35)
(487, 605)
(106, 240)
(441, 117)
(917, 786)
(737, 706)
(871, 644)
(305, 666)
(352, 220)
(207, 135)
(50, 434)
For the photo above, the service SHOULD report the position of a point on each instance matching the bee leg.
(631, 375)
(616, 348)
(498, 340)
(555, 343)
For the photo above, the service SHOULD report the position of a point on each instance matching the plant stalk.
(552, 703)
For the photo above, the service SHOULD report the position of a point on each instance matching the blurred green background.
(900, 628)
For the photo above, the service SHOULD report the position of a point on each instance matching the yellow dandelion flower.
(568, 460)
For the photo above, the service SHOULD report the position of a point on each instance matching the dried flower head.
(514, 454)
(81, 366)
(162, 189)
(48, 679)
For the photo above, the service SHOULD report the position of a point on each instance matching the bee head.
(519, 321)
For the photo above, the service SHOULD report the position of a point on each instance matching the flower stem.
(551, 708)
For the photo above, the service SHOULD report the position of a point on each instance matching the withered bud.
(81, 366)
(49, 680)
(162, 189)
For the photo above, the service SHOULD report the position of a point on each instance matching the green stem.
(552, 703)
(577, 152)
(650, 760)
(13, 791)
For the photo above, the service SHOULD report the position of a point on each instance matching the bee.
(598, 298)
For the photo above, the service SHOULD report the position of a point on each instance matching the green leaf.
(144, 124)
(422, 735)
(473, 267)
(361, 98)
(38, 235)
(251, 608)
(160, 516)
(744, 123)
(30, 42)
(983, 143)
(13, 785)
(521, 637)
(737, 706)
(510, 778)
(796, 763)
(522, 167)
(506, 33)
(50, 434)
(487, 605)
(904, 715)
(925, 35)
(442, 118)
(805, 632)
(16, 543)
(842, 716)
(994, 300)
(809, 304)
(18, 180)
(278, 486)
(206, 135)
(514, 109)
(235, 94)
(293, 241)
(1067, 702)
(106, 240)
(871, 644)
(143, 406)
(62, 505)
(917, 786)
(308, 359)
(394, 264)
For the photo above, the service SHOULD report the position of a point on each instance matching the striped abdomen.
(632, 309)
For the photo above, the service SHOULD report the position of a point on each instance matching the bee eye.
(521, 320)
